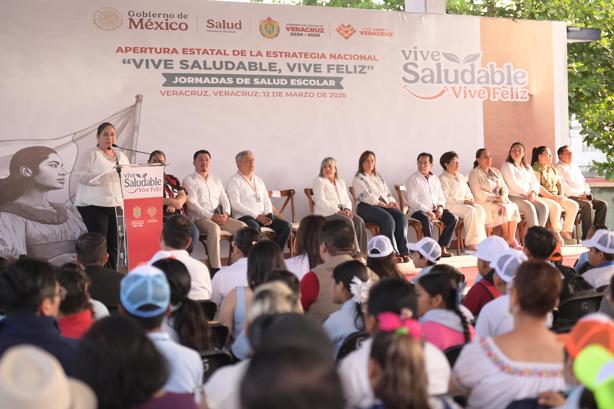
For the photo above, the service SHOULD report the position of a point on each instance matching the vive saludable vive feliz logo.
(434, 74)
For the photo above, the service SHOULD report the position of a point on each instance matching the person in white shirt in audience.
(145, 296)
(495, 317)
(234, 275)
(424, 254)
(331, 199)
(459, 200)
(307, 246)
(208, 206)
(250, 202)
(524, 187)
(601, 258)
(576, 188)
(350, 283)
(427, 202)
(376, 204)
(176, 238)
(397, 296)
(493, 372)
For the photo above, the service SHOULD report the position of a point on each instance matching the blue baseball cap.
(145, 286)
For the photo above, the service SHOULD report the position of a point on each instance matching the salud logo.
(136, 212)
(346, 30)
(269, 28)
(108, 19)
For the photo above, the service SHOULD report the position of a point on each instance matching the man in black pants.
(427, 202)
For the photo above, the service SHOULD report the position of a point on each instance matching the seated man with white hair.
(250, 202)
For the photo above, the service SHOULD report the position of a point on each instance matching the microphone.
(128, 149)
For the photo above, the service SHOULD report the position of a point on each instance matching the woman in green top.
(552, 194)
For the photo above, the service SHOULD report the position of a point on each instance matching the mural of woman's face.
(51, 174)
(106, 138)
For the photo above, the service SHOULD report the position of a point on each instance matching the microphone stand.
(130, 150)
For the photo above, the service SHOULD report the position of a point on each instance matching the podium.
(141, 221)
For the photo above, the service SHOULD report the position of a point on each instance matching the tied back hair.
(478, 153)
(345, 273)
(446, 281)
(535, 154)
(402, 382)
(187, 317)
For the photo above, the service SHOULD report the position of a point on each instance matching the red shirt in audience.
(479, 295)
(310, 288)
(77, 324)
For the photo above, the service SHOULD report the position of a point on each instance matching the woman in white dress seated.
(331, 199)
(460, 201)
(522, 363)
(29, 223)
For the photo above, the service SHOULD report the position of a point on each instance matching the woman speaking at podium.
(99, 191)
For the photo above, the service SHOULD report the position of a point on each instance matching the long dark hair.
(187, 317)
(536, 152)
(445, 280)
(345, 273)
(308, 238)
(363, 157)
(385, 267)
(403, 381)
(263, 257)
(14, 185)
(509, 158)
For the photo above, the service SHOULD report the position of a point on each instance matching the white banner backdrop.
(292, 84)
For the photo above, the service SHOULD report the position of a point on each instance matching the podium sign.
(143, 190)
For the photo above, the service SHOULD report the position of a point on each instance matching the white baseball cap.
(490, 248)
(428, 247)
(602, 240)
(506, 264)
(379, 246)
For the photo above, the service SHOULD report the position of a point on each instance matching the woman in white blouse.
(331, 199)
(523, 186)
(99, 193)
(459, 200)
(377, 205)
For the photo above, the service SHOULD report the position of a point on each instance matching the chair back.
(401, 189)
(219, 335)
(351, 343)
(309, 193)
(287, 198)
(353, 197)
(209, 309)
(212, 361)
(574, 308)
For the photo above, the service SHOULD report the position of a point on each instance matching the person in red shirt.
(76, 313)
(484, 291)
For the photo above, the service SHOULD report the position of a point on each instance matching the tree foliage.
(590, 65)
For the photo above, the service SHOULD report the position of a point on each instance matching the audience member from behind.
(601, 258)
(496, 317)
(351, 290)
(31, 378)
(263, 257)
(381, 258)
(287, 278)
(337, 246)
(397, 371)
(307, 246)
(539, 244)
(234, 275)
(397, 296)
(104, 282)
(439, 294)
(187, 324)
(176, 238)
(524, 362)
(76, 314)
(592, 329)
(483, 291)
(145, 296)
(125, 369)
(424, 254)
(31, 299)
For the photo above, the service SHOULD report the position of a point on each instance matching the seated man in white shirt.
(234, 275)
(176, 238)
(397, 296)
(208, 206)
(427, 202)
(145, 296)
(250, 202)
(576, 188)
(601, 258)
